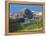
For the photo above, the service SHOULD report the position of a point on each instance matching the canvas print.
(25, 17)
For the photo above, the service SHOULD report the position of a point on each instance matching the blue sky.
(16, 7)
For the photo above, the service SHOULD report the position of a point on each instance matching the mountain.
(23, 13)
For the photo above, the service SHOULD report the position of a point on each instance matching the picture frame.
(7, 17)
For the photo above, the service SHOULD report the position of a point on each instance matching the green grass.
(32, 26)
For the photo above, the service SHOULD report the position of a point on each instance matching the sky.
(15, 7)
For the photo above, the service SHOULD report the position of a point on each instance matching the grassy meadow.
(31, 26)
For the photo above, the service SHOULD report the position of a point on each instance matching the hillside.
(22, 21)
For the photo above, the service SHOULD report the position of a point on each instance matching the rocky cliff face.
(23, 13)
